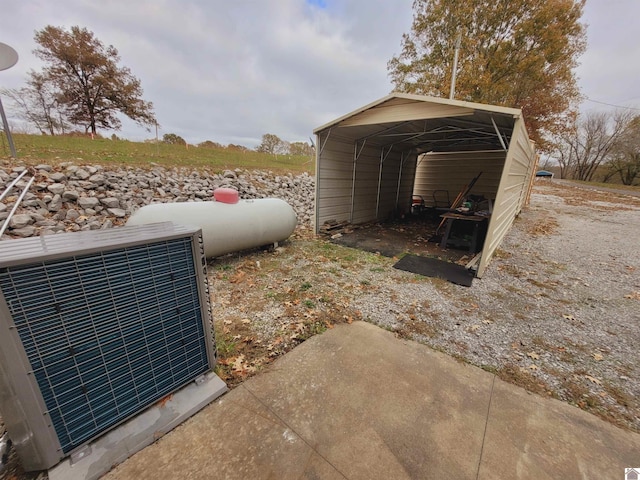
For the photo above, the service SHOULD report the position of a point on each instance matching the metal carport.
(369, 161)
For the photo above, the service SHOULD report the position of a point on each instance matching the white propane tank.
(226, 227)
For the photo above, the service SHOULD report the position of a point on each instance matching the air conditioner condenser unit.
(96, 327)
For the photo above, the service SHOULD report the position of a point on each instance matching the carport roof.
(423, 124)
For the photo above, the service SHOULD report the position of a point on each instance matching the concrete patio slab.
(358, 403)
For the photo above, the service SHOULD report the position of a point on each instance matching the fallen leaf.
(593, 379)
(597, 357)
(237, 364)
(533, 355)
(238, 277)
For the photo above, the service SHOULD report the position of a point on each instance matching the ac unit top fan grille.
(110, 332)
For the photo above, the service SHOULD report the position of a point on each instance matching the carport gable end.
(370, 162)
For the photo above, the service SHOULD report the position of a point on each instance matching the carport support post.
(399, 179)
(356, 154)
(383, 157)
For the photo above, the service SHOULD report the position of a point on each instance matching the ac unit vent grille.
(108, 333)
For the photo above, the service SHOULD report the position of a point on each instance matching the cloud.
(226, 71)
(233, 71)
(609, 68)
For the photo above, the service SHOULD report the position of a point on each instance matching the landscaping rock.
(88, 202)
(77, 196)
(70, 195)
(24, 232)
(58, 177)
(56, 188)
(55, 204)
(98, 179)
(72, 215)
(81, 174)
(110, 202)
(117, 212)
(20, 220)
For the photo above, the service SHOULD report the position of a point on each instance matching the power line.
(611, 104)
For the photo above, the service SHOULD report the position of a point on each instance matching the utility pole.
(455, 67)
(8, 58)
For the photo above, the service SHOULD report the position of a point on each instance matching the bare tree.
(37, 103)
(587, 144)
(624, 159)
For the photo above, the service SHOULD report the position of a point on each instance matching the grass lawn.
(34, 149)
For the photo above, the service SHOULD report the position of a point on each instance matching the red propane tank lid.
(226, 195)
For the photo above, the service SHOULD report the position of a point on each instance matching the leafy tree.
(516, 53)
(239, 148)
(210, 144)
(90, 86)
(300, 148)
(37, 104)
(272, 144)
(173, 139)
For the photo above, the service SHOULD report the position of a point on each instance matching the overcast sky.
(231, 71)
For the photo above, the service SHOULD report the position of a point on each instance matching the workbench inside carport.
(464, 231)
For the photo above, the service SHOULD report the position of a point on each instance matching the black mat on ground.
(432, 267)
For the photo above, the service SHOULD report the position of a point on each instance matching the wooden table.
(451, 217)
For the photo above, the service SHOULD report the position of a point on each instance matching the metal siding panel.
(513, 186)
(389, 186)
(452, 171)
(334, 170)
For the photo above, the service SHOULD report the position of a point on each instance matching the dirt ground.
(419, 234)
